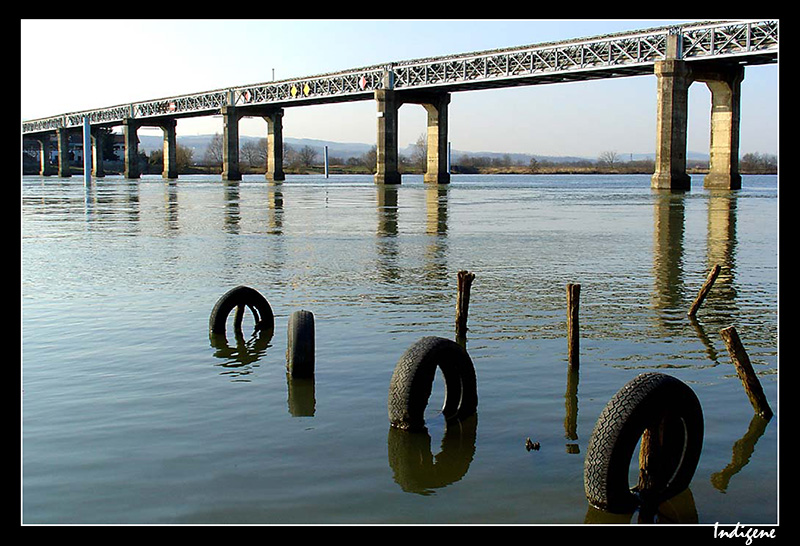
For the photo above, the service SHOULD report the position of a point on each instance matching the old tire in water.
(665, 407)
(300, 344)
(412, 382)
(239, 297)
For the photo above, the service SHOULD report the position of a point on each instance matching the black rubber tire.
(300, 344)
(241, 296)
(643, 404)
(412, 382)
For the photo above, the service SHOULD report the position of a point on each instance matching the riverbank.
(360, 169)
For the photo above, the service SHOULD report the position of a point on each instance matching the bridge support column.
(723, 172)
(170, 149)
(97, 154)
(386, 171)
(44, 155)
(129, 129)
(672, 118)
(230, 144)
(274, 167)
(436, 172)
(62, 137)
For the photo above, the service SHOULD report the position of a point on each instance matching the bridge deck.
(613, 55)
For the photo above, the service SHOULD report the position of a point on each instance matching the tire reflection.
(240, 358)
(417, 470)
(679, 509)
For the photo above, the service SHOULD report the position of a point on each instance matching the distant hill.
(345, 150)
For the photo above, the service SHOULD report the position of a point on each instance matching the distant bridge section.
(699, 48)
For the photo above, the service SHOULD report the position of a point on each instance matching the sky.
(130, 60)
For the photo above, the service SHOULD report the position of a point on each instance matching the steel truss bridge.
(612, 55)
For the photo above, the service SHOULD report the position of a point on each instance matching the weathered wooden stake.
(465, 279)
(744, 369)
(712, 276)
(573, 325)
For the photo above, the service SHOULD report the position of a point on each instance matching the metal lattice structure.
(614, 55)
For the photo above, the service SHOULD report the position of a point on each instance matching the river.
(130, 415)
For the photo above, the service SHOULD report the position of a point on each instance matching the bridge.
(713, 52)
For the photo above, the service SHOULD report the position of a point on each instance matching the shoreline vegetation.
(455, 170)
(310, 160)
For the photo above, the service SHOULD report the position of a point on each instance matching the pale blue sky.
(134, 60)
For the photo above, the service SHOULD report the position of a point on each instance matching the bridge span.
(715, 53)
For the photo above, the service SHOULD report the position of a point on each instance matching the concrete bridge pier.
(62, 138)
(386, 169)
(436, 172)
(230, 143)
(674, 78)
(725, 86)
(436, 105)
(170, 149)
(44, 155)
(97, 153)
(672, 116)
(274, 166)
(129, 129)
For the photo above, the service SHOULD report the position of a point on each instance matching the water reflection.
(171, 207)
(721, 249)
(436, 199)
(302, 399)
(742, 450)
(669, 213)
(387, 243)
(275, 207)
(670, 292)
(414, 466)
(99, 200)
(232, 216)
(241, 358)
(679, 509)
(571, 418)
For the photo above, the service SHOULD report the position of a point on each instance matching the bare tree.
(609, 159)
(255, 152)
(419, 152)
(213, 155)
(307, 156)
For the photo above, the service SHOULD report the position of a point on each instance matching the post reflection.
(742, 451)
(571, 418)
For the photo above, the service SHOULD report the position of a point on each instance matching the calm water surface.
(131, 415)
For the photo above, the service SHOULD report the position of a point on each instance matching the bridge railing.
(729, 39)
(641, 49)
(624, 53)
(536, 60)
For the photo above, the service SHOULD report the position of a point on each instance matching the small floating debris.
(531, 445)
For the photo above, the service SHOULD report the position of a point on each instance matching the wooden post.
(573, 325)
(712, 276)
(465, 279)
(744, 370)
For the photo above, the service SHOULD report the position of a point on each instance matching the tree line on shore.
(308, 159)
